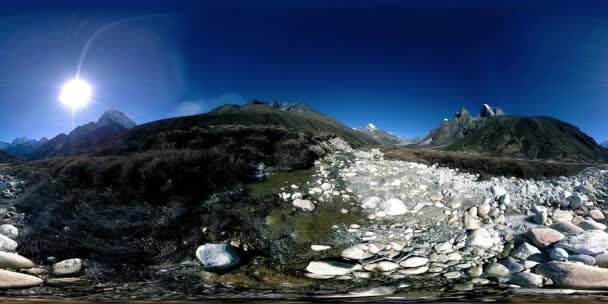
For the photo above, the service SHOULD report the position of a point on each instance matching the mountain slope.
(109, 126)
(604, 144)
(530, 138)
(382, 136)
(5, 157)
(255, 114)
(451, 130)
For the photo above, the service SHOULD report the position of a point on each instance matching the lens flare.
(75, 94)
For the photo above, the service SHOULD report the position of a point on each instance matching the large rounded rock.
(592, 242)
(9, 279)
(480, 238)
(9, 230)
(218, 256)
(68, 267)
(331, 268)
(574, 275)
(526, 279)
(543, 237)
(6, 244)
(14, 261)
(394, 206)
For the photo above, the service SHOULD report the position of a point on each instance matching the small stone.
(540, 214)
(574, 201)
(558, 254)
(496, 270)
(320, 247)
(414, 261)
(512, 265)
(304, 205)
(524, 251)
(331, 268)
(217, 256)
(581, 258)
(68, 267)
(357, 252)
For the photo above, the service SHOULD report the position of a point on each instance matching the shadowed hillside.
(530, 138)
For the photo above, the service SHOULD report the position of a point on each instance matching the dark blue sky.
(403, 65)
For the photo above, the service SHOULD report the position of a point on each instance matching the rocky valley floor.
(363, 225)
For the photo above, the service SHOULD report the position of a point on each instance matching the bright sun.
(75, 94)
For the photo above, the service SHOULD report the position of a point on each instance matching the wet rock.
(526, 279)
(14, 261)
(592, 242)
(567, 227)
(9, 279)
(572, 275)
(543, 237)
(304, 205)
(218, 256)
(331, 268)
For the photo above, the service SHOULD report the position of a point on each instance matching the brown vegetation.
(487, 166)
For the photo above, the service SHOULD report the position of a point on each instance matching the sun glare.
(75, 94)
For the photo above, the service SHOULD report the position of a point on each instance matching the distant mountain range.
(491, 132)
(385, 137)
(605, 144)
(111, 124)
(23, 146)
